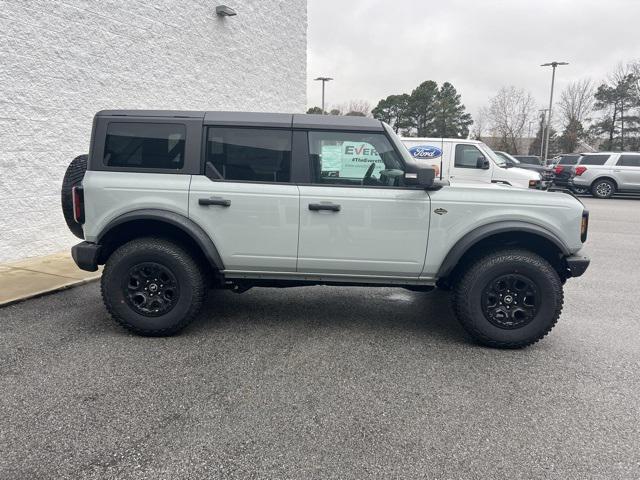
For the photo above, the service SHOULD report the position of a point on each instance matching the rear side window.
(629, 161)
(594, 159)
(145, 145)
(250, 154)
(569, 160)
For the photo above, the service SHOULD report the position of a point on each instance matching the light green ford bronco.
(174, 203)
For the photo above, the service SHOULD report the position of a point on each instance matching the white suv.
(175, 202)
(605, 173)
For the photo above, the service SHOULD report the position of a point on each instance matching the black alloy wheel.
(151, 289)
(510, 301)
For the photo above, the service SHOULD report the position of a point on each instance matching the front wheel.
(508, 299)
(152, 286)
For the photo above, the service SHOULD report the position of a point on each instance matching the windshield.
(497, 159)
(401, 147)
(508, 157)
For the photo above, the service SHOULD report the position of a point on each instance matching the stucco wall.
(61, 61)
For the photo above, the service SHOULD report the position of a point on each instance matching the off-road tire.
(467, 298)
(188, 275)
(603, 188)
(72, 177)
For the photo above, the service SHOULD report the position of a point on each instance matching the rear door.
(251, 211)
(627, 170)
(356, 215)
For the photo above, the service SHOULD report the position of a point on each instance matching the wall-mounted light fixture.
(224, 11)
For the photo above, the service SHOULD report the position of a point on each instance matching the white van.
(460, 160)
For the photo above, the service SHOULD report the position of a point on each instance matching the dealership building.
(64, 61)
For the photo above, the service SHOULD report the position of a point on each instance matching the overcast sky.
(376, 48)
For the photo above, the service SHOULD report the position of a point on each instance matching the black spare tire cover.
(72, 177)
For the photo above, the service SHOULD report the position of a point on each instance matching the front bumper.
(85, 254)
(577, 264)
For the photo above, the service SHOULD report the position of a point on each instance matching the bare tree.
(509, 114)
(576, 101)
(480, 122)
(355, 108)
(635, 70)
(358, 108)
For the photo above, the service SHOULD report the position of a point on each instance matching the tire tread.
(194, 271)
(462, 301)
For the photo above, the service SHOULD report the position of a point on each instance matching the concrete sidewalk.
(35, 276)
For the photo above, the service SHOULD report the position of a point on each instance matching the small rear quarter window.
(145, 145)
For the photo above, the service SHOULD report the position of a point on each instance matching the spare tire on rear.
(72, 177)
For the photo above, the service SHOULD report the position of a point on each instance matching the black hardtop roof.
(258, 119)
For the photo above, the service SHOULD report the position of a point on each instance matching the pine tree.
(394, 110)
(424, 104)
(451, 119)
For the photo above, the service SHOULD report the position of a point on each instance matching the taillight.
(558, 169)
(584, 226)
(580, 170)
(77, 195)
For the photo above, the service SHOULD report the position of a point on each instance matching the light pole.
(543, 117)
(323, 80)
(553, 79)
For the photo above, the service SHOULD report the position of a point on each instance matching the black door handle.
(223, 202)
(332, 207)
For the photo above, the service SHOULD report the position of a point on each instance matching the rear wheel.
(508, 299)
(153, 287)
(603, 188)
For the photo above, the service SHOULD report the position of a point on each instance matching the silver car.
(606, 173)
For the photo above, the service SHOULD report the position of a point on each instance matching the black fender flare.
(185, 224)
(474, 236)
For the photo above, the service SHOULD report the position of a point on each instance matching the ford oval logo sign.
(425, 152)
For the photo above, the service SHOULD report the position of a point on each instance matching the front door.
(468, 161)
(251, 212)
(357, 217)
(628, 171)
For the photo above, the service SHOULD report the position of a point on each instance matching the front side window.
(629, 161)
(250, 154)
(468, 156)
(145, 145)
(347, 158)
(594, 159)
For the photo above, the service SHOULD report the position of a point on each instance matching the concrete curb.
(47, 291)
(33, 277)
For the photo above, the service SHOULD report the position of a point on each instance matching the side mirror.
(509, 164)
(483, 163)
(424, 177)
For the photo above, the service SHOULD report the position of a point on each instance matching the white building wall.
(62, 61)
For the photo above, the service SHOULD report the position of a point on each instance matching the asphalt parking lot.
(327, 382)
